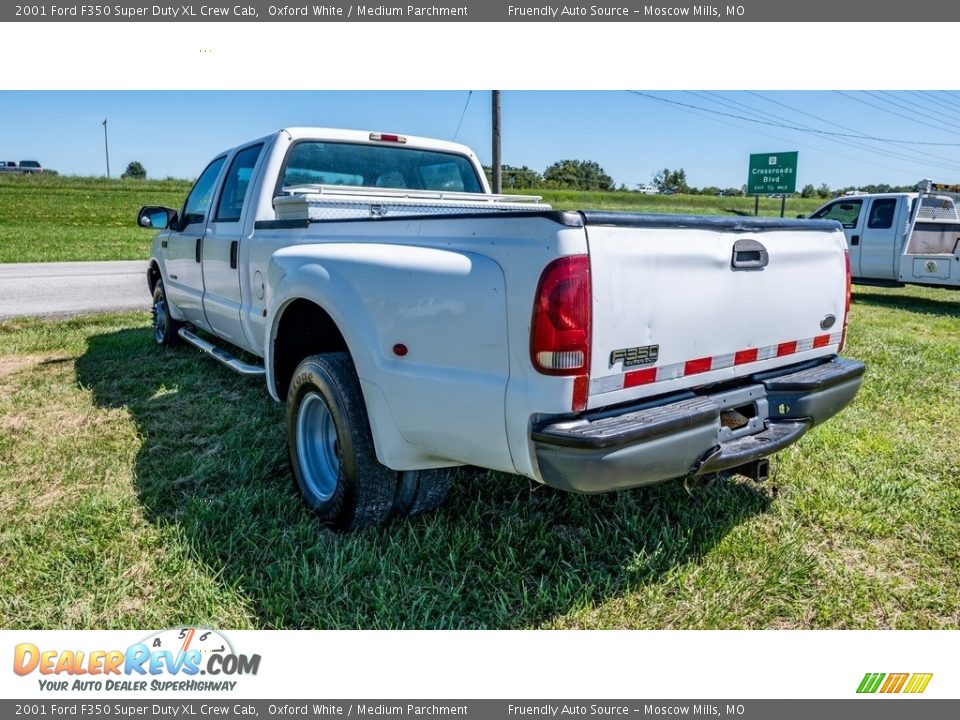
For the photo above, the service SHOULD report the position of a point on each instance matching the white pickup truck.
(897, 239)
(24, 167)
(413, 322)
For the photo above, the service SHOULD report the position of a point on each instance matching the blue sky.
(630, 135)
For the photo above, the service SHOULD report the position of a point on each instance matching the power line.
(462, 114)
(939, 106)
(947, 126)
(917, 156)
(686, 108)
(803, 112)
(789, 127)
(950, 102)
(891, 112)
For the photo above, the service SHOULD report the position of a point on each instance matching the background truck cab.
(901, 238)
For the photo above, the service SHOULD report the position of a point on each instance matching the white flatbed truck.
(898, 239)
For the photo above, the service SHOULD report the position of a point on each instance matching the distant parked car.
(647, 189)
(24, 167)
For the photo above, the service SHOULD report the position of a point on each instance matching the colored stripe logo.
(912, 683)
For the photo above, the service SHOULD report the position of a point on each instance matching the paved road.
(72, 288)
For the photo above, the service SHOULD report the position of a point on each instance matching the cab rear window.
(329, 163)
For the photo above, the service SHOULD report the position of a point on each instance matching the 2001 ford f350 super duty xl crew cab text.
(413, 322)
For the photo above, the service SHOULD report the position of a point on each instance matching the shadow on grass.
(911, 303)
(497, 555)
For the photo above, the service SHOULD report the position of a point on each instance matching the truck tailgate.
(685, 301)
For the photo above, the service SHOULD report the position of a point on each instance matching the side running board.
(221, 355)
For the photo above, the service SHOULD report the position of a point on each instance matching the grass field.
(142, 487)
(46, 218)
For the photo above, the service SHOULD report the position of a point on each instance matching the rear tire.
(421, 491)
(331, 449)
(165, 328)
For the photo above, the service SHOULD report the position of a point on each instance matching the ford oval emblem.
(828, 321)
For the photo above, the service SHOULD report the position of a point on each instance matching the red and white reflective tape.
(648, 375)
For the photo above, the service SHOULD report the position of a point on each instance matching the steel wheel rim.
(317, 447)
(159, 320)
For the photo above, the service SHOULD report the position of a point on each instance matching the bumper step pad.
(753, 447)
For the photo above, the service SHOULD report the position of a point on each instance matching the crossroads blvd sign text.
(772, 173)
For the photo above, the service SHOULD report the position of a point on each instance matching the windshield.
(380, 166)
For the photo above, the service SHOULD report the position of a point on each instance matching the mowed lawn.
(142, 487)
(47, 218)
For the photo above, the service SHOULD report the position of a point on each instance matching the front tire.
(165, 328)
(330, 446)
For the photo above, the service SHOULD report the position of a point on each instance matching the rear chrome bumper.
(692, 434)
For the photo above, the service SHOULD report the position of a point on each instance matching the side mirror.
(156, 217)
(801, 216)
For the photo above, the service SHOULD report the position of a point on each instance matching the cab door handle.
(233, 254)
(197, 250)
(855, 240)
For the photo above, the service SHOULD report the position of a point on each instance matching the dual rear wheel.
(332, 454)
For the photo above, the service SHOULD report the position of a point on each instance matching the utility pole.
(497, 160)
(106, 148)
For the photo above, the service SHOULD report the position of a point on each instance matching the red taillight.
(846, 309)
(560, 330)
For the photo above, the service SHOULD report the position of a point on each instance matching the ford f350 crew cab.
(413, 322)
(897, 239)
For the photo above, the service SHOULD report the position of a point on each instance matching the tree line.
(589, 175)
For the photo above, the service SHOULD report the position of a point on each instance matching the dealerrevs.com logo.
(892, 683)
(180, 659)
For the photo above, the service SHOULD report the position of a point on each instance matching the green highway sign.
(772, 173)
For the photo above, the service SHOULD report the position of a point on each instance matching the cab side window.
(845, 212)
(198, 201)
(881, 214)
(230, 206)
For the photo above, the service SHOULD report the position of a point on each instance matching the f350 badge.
(632, 357)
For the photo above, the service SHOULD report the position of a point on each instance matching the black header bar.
(862, 12)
